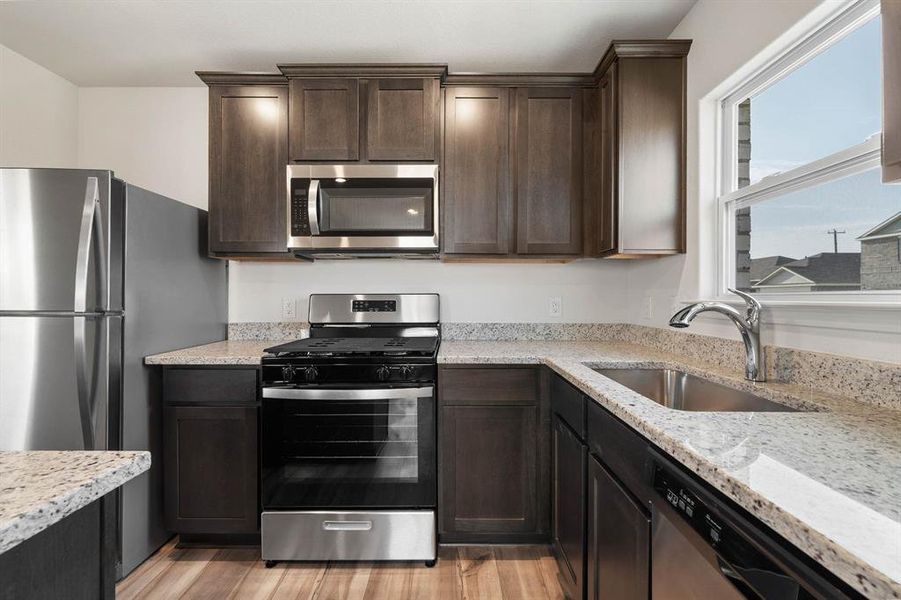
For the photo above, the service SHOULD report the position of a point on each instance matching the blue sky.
(829, 104)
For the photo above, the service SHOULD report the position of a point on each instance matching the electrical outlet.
(289, 309)
(555, 306)
(648, 309)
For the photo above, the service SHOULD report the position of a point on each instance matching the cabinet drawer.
(623, 450)
(569, 404)
(210, 386)
(481, 385)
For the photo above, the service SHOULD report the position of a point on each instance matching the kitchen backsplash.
(275, 331)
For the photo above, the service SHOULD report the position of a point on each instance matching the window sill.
(874, 312)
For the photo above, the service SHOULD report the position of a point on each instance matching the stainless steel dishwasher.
(702, 548)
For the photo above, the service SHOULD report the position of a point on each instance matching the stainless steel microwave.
(363, 210)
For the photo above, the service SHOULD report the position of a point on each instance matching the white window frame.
(853, 160)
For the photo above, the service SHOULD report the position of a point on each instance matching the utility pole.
(834, 233)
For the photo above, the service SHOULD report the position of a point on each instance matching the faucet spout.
(748, 326)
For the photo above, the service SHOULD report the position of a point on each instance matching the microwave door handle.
(313, 206)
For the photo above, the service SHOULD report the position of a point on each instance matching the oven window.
(376, 206)
(350, 453)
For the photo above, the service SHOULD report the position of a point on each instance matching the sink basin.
(681, 391)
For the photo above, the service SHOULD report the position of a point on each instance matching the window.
(803, 208)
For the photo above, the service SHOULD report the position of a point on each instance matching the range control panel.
(374, 306)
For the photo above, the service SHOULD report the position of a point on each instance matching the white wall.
(155, 138)
(38, 115)
(591, 290)
(731, 40)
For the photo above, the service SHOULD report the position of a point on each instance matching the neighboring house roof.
(891, 227)
(763, 266)
(826, 268)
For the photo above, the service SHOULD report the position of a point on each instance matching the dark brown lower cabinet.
(569, 463)
(73, 559)
(211, 454)
(619, 534)
(492, 456)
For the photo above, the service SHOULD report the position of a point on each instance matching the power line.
(834, 233)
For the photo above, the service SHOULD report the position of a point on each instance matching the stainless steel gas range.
(348, 432)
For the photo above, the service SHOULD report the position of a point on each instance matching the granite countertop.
(827, 479)
(228, 352)
(40, 488)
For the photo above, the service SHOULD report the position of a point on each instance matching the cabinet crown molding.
(380, 70)
(521, 79)
(641, 49)
(240, 78)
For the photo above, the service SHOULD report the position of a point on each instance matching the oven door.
(363, 207)
(348, 448)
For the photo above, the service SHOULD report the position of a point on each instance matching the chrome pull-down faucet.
(748, 325)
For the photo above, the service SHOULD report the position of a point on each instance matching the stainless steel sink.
(682, 391)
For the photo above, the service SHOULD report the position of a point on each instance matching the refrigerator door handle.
(85, 411)
(90, 218)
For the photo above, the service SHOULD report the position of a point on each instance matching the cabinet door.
(549, 171)
(402, 119)
(619, 533)
(325, 119)
(891, 91)
(569, 461)
(477, 202)
(248, 155)
(493, 456)
(211, 472)
(605, 215)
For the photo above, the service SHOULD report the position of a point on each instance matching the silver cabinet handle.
(313, 206)
(329, 394)
(90, 218)
(347, 525)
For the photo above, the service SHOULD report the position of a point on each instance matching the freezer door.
(55, 382)
(56, 242)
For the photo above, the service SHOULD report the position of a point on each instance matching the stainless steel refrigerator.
(95, 274)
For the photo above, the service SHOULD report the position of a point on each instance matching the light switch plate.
(289, 309)
(555, 306)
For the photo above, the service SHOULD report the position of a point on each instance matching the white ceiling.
(160, 43)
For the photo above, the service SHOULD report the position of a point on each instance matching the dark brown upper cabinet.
(365, 113)
(635, 169)
(402, 119)
(248, 152)
(548, 171)
(325, 119)
(512, 166)
(476, 169)
(891, 91)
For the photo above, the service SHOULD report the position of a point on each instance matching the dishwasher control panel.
(688, 505)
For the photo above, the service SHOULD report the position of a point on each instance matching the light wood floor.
(463, 572)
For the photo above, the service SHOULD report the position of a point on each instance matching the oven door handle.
(280, 393)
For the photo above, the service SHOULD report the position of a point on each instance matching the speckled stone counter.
(828, 480)
(38, 489)
(229, 352)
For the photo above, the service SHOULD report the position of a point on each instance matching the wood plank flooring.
(462, 572)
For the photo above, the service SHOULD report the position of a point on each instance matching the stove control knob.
(406, 373)
(383, 373)
(310, 374)
(288, 373)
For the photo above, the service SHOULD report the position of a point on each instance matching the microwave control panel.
(300, 218)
